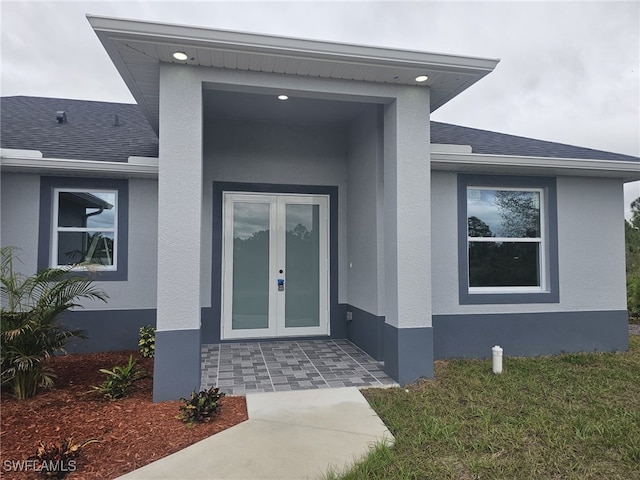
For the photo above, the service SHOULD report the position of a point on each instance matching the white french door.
(275, 278)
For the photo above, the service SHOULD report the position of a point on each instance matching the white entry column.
(177, 358)
(408, 334)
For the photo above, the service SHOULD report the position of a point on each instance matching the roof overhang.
(138, 48)
(505, 164)
(32, 161)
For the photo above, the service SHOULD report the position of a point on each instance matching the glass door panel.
(302, 265)
(275, 279)
(250, 307)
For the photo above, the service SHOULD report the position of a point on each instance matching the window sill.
(505, 290)
(88, 269)
(503, 297)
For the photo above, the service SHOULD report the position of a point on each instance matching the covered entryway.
(275, 265)
(292, 116)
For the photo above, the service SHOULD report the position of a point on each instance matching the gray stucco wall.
(19, 227)
(20, 210)
(591, 242)
(590, 245)
(139, 291)
(407, 209)
(530, 334)
(365, 268)
(21, 202)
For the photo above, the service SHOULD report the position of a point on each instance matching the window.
(85, 228)
(508, 239)
(84, 220)
(505, 240)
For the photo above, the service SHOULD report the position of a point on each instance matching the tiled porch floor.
(239, 368)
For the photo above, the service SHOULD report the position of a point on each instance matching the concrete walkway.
(289, 435)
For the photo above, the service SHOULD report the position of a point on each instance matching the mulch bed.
(133, 431)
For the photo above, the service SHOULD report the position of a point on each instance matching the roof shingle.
(493, 143)
(92, 133)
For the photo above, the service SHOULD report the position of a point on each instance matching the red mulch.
(133, 431)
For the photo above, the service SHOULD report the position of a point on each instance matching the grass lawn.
(572, 416)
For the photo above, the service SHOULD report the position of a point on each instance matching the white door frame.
(277, 254)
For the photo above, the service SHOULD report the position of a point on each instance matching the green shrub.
(147, 341)
(633, 295)
(119, 380)
(55, 460)
(30, 330)
(201, 407)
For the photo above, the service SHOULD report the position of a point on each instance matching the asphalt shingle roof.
(91, 133)
(493, 143)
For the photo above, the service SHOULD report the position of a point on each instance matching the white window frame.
(542, 244)
(56, 229)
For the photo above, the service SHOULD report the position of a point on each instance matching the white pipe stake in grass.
(497, 359)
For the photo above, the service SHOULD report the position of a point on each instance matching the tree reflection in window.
(302, 303)
(520, 213)
(250, 266)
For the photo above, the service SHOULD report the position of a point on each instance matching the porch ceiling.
(267, 108)
(137, 49)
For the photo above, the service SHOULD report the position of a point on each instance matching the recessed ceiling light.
(180, 56)
(283, 97)
(422, 78)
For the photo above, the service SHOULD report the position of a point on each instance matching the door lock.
(281, 284)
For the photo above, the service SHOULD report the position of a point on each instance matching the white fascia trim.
(11, 163)
(19, 153)
(143, 160)
(449, 148)
(289, 46)
(627, 170)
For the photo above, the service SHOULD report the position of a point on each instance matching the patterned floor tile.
(240, 368)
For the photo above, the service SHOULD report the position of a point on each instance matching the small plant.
(147, 341)
(119, 380)
(55, 460)
(30, 330)
(201, 407)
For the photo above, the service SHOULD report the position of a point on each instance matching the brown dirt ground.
(133, 431)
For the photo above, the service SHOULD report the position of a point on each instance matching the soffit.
(226, 105)
(137, 49)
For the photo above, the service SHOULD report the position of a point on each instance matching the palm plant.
(30, 307)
